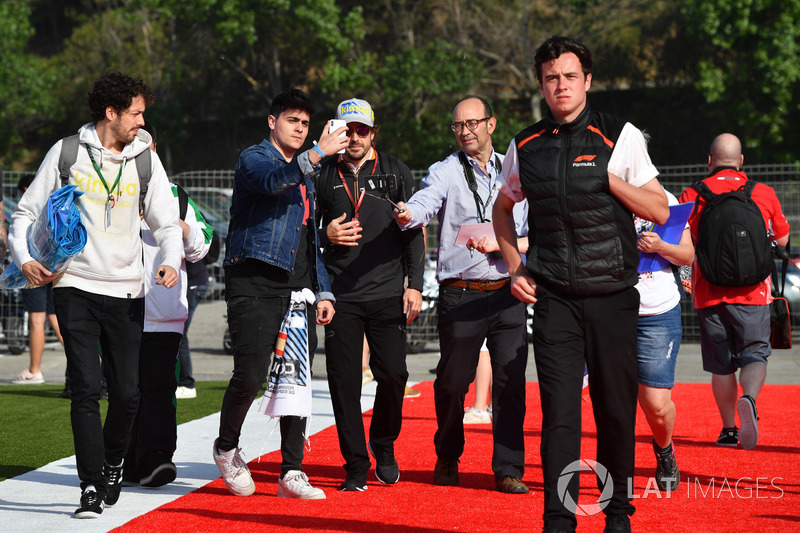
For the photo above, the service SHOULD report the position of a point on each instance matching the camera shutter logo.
(606, 486)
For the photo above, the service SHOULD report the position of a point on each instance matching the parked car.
(215, 204)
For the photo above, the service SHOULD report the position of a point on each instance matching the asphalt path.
(211, 363)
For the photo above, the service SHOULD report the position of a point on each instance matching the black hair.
(117, 90)
(556, 45)
(487, 109)
(24, 182)
(149, 128)
(292, 99)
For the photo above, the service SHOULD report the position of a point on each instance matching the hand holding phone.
(333, 125)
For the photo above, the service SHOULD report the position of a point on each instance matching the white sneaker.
(184, 393)
(295, 485)
(477, 416)
(26, 377)
(234, 471)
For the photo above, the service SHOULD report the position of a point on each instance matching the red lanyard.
(358, 199)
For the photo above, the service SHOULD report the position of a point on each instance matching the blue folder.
(670, 232)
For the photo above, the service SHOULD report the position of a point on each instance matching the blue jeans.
(194, 295)
(657, 343)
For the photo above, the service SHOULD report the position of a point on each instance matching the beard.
(121, 134)
(357, 152)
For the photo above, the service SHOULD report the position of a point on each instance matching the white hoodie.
(111, 262)
(166, 310)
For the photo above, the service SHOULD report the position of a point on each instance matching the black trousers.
(569, 333)
(114, 325)
(466, 318)
(384, 323)
(254, 324)
(155, 431)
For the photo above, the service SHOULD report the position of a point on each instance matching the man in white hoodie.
(99, 298)
(155, 435)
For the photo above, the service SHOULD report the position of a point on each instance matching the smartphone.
(387, 184)
(335, 124)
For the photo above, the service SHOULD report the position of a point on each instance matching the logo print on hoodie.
(584, 161)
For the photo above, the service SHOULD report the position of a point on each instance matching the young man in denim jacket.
(272, 249)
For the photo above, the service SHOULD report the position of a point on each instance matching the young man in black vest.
(584, 174)
(367, 257)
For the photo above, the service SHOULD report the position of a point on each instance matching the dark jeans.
(254, 324)
(570, 333)
(466, 318)
(194, 295)
(88, 321)
(384, 324)
(155, 432)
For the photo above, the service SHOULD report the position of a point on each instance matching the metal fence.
(785, 179)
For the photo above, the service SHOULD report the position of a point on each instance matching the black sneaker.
(386, 469)
(748, 416)
(113, 476)
(728, 437)
(618, 523)
(91, 504)
(160, 475)
(130, 477)
(356, 481)
(667, 474)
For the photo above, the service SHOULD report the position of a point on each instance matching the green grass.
(36, 428)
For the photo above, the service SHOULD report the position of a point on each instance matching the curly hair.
(117, 90)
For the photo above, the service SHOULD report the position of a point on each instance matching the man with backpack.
(367, 256)
(154, 439)
(731, 288)
(99, 298)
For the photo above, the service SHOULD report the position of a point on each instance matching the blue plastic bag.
(54, 238)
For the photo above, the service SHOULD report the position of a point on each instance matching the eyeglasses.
(471, 124)
(362, 131)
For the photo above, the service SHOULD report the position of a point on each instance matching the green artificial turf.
(36, 428)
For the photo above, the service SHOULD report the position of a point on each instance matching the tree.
(748, 63)
(25, 93)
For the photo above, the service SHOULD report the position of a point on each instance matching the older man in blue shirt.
(475, 300)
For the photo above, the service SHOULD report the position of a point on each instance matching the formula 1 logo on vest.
(584, 161)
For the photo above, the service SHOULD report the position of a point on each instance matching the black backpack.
(733, 248)
(69, 154)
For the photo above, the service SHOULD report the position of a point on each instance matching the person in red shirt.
(734, 321)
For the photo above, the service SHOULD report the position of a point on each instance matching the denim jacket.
(267, 213)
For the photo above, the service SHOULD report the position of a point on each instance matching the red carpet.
(721, 490)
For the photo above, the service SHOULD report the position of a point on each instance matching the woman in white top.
(659, 338)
